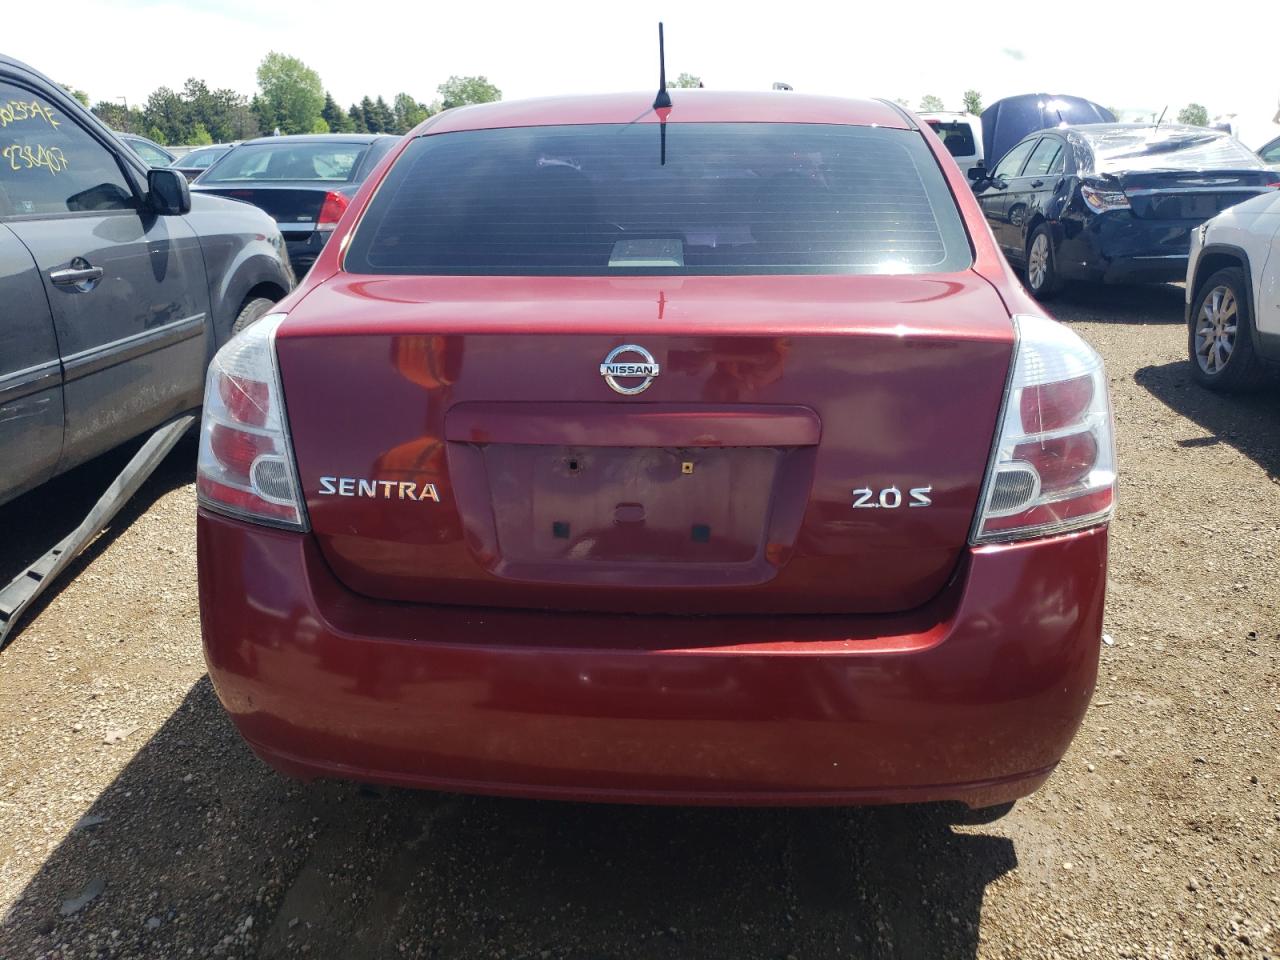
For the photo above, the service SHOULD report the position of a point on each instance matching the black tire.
(252, 311)
(983, 815)
(1229, 363)
(1042, 283)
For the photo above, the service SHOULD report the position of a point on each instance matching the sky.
(1129, 55)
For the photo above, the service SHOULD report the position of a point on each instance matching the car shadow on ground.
(1248, 422)
(35, 522)
(1100, 303)
(200, 846)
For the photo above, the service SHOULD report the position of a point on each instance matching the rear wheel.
(1220, 336)
(1042, 269)
(253, 310)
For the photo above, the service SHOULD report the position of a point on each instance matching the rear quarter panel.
(243, 254)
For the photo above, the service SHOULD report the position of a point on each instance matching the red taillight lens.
(246, 400)
(1060, 461)
(245, 467)
(1052, 406)
(331, 211)
(236, 449)
(1053, 468)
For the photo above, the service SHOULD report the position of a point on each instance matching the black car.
(192, 164)
(1113, 202)
(117, 286)
(304, 182)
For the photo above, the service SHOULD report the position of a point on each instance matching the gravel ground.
(133, 822)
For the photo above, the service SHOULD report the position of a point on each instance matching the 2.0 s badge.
(890, 498)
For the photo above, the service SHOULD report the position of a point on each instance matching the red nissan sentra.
(709, 454)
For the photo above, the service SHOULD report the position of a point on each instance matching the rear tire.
(251, 312)
(984, 815)
(1042, 265)
(1220, 335)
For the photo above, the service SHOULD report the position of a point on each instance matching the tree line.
(290, 98)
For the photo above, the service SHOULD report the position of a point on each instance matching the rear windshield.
(199, 159)
(956, 137)
(1149, 149)
(327, 162)
(633, 199)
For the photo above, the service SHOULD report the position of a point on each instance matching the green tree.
(686, 81)
(931, 104)
(78, 94)
(903, 102)
(369, 119)
(386, 116)
(356, 118)
(972, 102)
(459, 91)
(119, 117)
(1194, 114)
(335, 116)
(409, 112)
(166, 113)
(320, 126)
(200, 136)
(291, 92)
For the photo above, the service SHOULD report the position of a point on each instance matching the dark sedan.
(1113, 202)
(304, 182)
(192, 164)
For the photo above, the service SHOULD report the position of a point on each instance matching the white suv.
(961, 134)
(1233, 295)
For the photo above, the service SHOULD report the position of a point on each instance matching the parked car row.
(1113, 202)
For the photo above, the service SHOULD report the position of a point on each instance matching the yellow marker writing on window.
(34, 156)
(15, 111)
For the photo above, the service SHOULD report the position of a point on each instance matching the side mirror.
(168, 192)
(978, 174)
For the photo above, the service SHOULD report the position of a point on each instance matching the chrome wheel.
(1038, 261)
(1216, 326)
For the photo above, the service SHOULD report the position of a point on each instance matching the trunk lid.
(294, 206)
(1191, 195)
(462, 445)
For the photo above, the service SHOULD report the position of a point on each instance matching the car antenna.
(1162, 113)
(662, 102)
(663, 99)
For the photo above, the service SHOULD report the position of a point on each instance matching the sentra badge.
(378, 489)
(614, 369)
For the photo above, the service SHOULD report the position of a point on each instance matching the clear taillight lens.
(1054, 465)
(1100, 201)
(246, 467)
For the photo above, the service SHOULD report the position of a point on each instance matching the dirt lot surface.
(134, 823)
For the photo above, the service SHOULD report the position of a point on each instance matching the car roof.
(1092, 131)
(687, 106)
(322, 138)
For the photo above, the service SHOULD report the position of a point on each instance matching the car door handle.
(78, 272)
(1037, 183)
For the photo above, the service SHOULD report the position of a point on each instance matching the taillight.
(331, 211)
(1100, 201)
(1054, 465)
(246, 467)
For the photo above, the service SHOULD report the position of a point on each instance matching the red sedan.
(705, 454)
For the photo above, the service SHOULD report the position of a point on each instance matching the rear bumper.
(974, 698)
(1121, 248)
